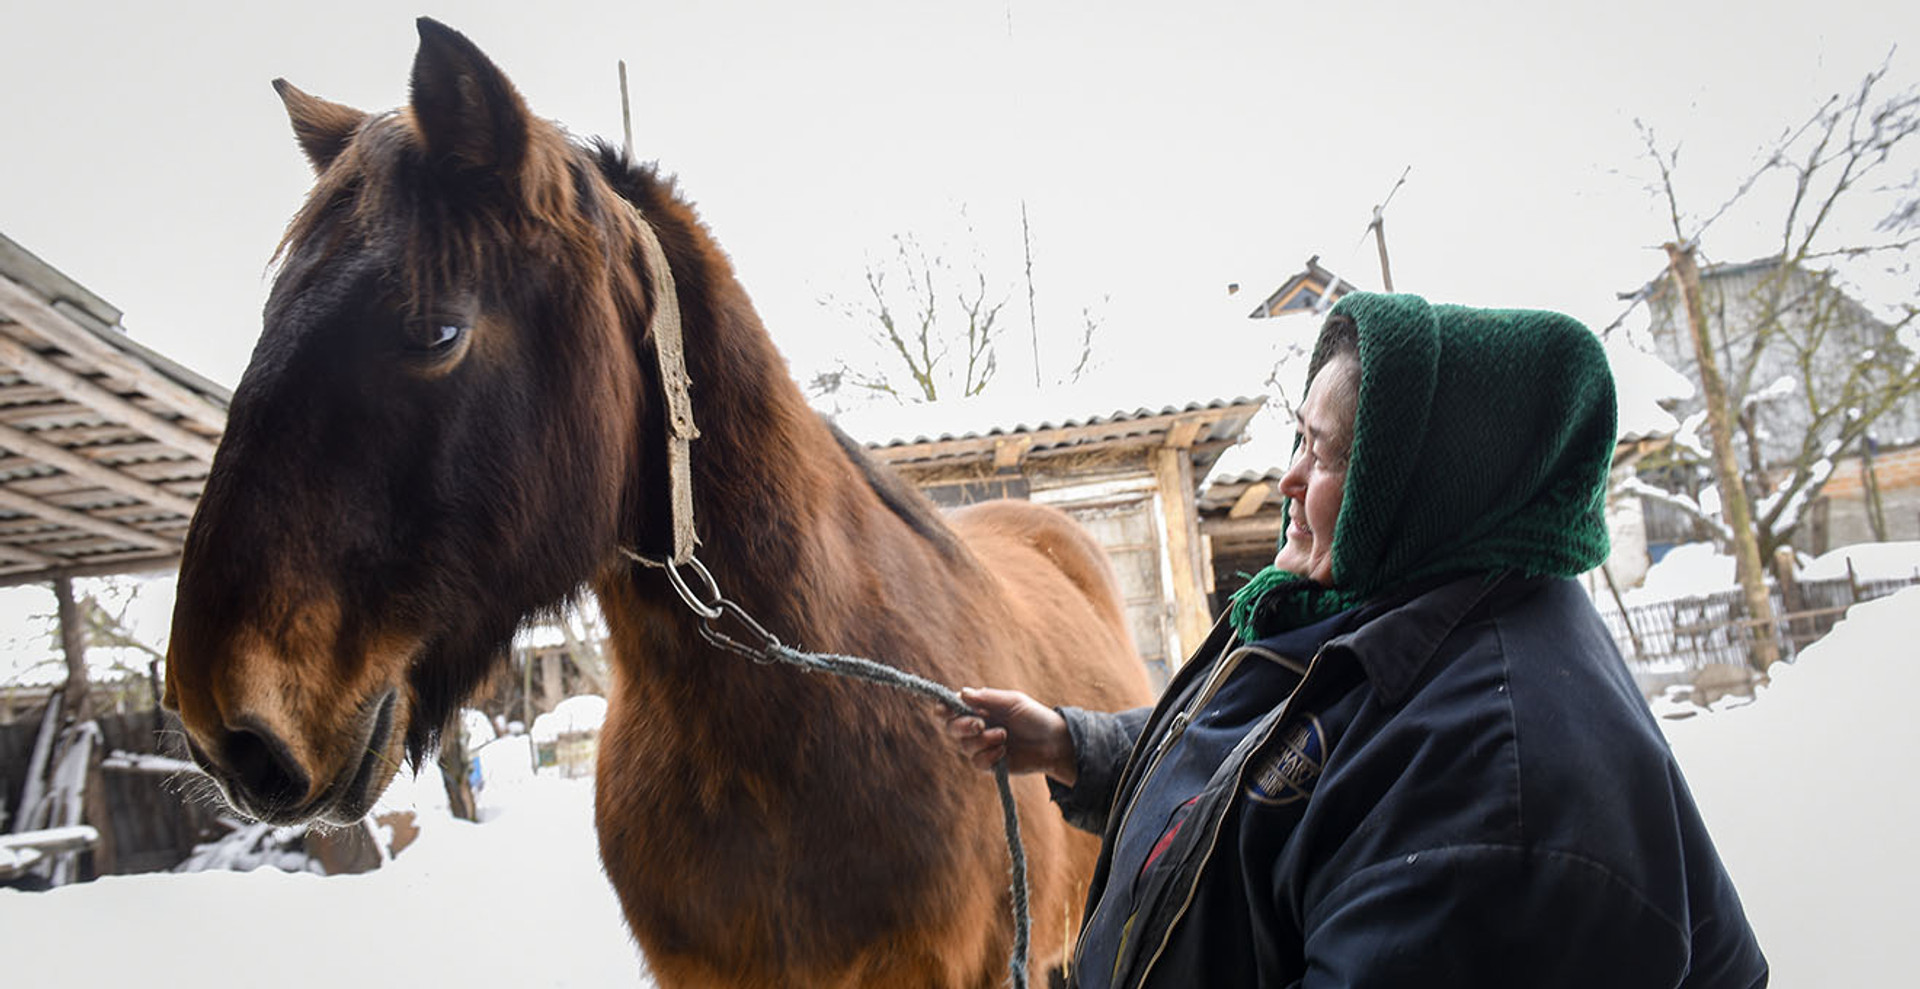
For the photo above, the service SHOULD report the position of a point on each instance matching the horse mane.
(642, 186)
(901, 498)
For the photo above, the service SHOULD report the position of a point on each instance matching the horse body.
(452, 421)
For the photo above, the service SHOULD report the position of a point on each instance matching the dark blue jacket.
(1466, 789)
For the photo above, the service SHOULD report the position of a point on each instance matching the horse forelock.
(431, 229)
(443, 229)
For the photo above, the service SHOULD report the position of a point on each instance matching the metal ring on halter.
(708, 611)
(705, 609)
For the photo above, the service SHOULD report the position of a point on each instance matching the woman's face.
(1315, 483)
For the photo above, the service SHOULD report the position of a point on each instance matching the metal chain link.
(766, 649)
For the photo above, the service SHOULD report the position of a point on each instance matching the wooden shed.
(105, 446)
(1130, 475)
(107, 443)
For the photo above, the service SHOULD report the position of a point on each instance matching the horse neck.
(788, 524)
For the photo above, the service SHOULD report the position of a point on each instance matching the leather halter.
(670, 353)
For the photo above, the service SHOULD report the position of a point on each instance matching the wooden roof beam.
(72, 463)
(25, 555)
(44, 319)
(17, 502)
(1187, 428)
(1254, 528)
(1250, 500)
(107, 565)
(1009, 451)
(39, 369)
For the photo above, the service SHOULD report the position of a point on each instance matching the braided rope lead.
(711, 606)
(880, 673)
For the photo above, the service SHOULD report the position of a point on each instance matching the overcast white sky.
(1162, 150)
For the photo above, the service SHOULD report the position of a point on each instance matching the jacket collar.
(1397, 636)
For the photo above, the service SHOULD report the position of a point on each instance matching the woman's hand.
(1032, 736)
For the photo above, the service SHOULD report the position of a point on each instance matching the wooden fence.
(1686, 635)
(147, 818)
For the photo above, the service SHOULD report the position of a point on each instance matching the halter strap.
(670, 353)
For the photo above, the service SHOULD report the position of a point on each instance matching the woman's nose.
(1293, 483)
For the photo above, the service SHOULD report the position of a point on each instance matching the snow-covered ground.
(1808, 789)
(518, 900)
(1809, 792)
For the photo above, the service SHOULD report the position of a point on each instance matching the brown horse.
(454, 419)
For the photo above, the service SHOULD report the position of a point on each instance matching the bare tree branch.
(1788, 313)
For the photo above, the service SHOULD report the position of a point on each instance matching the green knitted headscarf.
(1481, 443)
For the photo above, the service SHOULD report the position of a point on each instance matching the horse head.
(431, 441)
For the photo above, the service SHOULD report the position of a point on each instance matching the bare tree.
(912, 305)
(935, 330)
(1808, 371)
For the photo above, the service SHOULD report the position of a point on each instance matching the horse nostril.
(265, 769)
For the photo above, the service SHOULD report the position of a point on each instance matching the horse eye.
(434, 335)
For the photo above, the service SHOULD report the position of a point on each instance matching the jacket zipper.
(1175, 727)
(1213, 840)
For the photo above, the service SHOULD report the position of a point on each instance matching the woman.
(1411, 754)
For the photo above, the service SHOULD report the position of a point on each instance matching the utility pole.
(1726, 467)
(1379, 230)
(1026, 244)
(626, 115)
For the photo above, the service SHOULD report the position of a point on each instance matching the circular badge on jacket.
(1289, 774)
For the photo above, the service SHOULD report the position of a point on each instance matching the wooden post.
(586, 655)
(1790, 599)
(1380, 241)
(1626, 617)
(1764, 650)
(1173, 475)
(77, 703)
(552, 686)
(1870, 484)
(96, 809)
(32, 812)
(454, 769)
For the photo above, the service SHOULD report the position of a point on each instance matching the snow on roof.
(575, 714)
(1871, 561)
(1641, 382)
(1686, 571)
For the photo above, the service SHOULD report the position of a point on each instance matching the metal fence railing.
(1687, 634)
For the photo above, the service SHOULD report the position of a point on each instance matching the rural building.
(1310, 291)
(1130, 474)
(1789, 326)
(107, 442)
(104, 447)
(1181, 493)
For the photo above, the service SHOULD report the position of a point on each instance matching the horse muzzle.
(260, 775)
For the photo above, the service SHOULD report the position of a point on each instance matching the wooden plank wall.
(151, 821)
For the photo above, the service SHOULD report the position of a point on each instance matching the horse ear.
(323, 128)
(468, 112)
